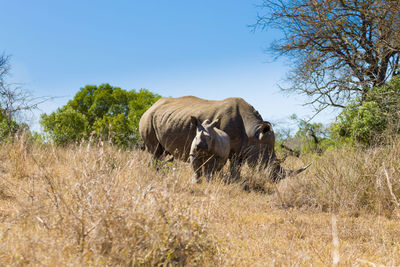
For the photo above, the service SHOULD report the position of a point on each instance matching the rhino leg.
(197, 177)
(196, 167)
(198, 172)
(209, 173)
(158, 152)
(235, 168)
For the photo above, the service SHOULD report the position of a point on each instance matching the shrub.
(375, 119)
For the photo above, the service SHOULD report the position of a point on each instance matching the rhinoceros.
(166, 128)
(210, 148)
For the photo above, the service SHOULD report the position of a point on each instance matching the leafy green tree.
(64, 126)
(141, 101)
(106, 112)
(116, 128)
(373, 120)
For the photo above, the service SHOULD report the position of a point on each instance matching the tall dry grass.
(97, 205)
(348, 179)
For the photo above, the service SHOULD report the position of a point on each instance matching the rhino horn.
(280, 173)
(295, 172)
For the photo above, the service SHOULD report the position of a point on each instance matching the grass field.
(96, 205)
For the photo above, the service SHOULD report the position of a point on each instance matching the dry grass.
(348, 180)
(95, 205)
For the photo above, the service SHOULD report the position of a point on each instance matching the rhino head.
(205, 135)
(262, 153)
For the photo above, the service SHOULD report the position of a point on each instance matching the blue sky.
(174, 48)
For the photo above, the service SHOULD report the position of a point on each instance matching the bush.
(375, 119)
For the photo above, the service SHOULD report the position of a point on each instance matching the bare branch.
(340, 48)
(13, 98)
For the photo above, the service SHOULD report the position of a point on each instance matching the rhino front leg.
(235, 168)
(197, 177)
(196, 169)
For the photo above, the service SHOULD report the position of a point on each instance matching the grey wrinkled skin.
(209, 150)
(166, 128)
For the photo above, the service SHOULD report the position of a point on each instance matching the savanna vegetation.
(94, 202)
(82, 193)
(99, 205)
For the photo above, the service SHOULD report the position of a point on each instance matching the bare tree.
(4, 68)
(340, 48)
(13, 98)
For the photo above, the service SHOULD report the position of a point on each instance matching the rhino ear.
(266, 127)
(195, 121)
(215, 123)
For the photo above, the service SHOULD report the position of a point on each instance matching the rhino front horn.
(290, 173)
(280, 173)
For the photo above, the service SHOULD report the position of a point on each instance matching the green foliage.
(65, 125)
(373, 120)
(311, 136)
(4, 129)
(116, 128)
(10, 127)
(106, 112)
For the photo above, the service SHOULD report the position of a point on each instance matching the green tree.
(106, 112)
(64, 126)
(141, 101)
(375, 119)
(116, 128)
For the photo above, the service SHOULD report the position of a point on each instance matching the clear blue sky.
(174, 48)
